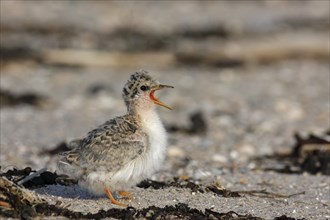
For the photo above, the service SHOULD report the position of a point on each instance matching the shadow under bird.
(124, 150)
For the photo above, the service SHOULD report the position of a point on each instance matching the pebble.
(292, 110)
(219, 158)
(175, 152)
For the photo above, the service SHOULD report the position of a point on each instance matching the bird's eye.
(144, 88)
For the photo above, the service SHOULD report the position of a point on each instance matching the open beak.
(157, 101)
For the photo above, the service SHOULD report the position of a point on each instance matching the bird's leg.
(5, 205)
(113, 200)
(125, 195)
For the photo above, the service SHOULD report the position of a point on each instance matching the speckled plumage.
(124, 150)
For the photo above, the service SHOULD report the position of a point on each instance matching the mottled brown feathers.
(116, 138)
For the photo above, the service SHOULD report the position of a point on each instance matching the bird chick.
(124, 150)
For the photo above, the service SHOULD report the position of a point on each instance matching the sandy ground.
(210, 155)
(310, 205)
(249, 110)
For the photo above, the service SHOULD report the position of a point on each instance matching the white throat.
(154, 128)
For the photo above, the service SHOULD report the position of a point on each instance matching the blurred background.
(247, 75)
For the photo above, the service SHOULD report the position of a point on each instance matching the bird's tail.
(67, 166)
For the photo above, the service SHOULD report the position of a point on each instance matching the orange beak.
(157, 101)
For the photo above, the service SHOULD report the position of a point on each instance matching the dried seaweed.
(310, 154)
(176, 182)
(61, 147)
(43, 179)
(25, 204)
(179, 211)
(222, 191)
(16, 175)
(264, 194)
(19, 201)
(198, 125)
(16, 201)
(284, 217)
(215, 188)
(8, 99)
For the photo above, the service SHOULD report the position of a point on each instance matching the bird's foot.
(125, 195)
(5, 205)
(112, 199)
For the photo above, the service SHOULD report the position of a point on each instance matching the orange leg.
(125, 195)
(113, 200)
(5, 204)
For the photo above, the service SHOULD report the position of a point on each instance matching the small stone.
(291, 110)
(247, 150)
(219, 158)
(175, 152)
(233, 154)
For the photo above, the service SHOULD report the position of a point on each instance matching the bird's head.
(140, 91)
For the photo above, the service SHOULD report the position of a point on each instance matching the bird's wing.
(75, 143)
(109, 147)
